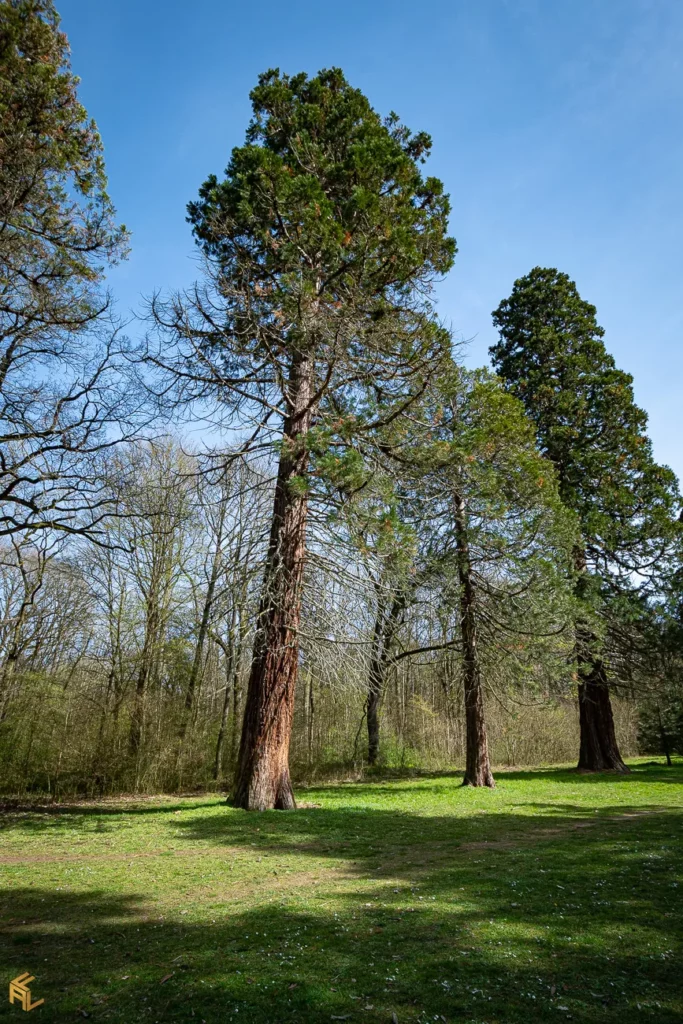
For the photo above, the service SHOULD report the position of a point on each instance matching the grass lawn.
(555, 897)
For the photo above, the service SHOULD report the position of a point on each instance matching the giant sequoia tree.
(312, 329)
(552, 356)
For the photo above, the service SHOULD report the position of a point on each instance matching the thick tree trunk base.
(599, 751)
(477, 764)
(482, 777)
(266, 790)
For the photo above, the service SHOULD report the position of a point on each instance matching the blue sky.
(556, 127)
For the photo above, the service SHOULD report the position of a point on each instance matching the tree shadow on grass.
(581, 925)
(639, 773)
(443, 780)
(88, 821)
(364, 838)
(119, 809)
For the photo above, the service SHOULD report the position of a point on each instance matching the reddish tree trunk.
(262, 780)
(477, 764)
(598, 749)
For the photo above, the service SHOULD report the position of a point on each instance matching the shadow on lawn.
(233, 827)
(97, 810)
(579, 923)
(85, 821)
(365, 839)
(643, 772)
(640, 772)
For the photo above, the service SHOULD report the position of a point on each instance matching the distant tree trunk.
(203, 626)
(445, 677)
(477, 764)
(375, 687)
(229, 652)
(144, 671)
(309, 708)
(664, 738)
(380, 659)
(98, 752)
(14, 645)
(137, 712)
(598, 749)
(241, 630)
(236, 695)
(262, 780)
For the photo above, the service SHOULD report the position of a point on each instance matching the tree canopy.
(59, 394)
(552, 356)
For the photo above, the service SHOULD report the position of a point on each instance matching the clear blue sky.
(556, 127)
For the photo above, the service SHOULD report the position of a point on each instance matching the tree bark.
(229, 653)
(599, 751)
(262, 780)
(14, 644)
(385, 628)
(598, 748)
(147, 664)
(664, 739)
(477, 763)
(203, 628)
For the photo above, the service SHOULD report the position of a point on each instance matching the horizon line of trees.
(372, 540)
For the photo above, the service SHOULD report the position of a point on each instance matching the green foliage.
(660, 721)
(551, 355)
(476, 448)
(483, 438)
(57, 216)
(660, 650)
(466, 459)
(325, 199)
(322, 243)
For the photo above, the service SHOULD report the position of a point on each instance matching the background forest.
(277, 525)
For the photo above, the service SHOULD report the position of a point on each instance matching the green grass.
(555, 897)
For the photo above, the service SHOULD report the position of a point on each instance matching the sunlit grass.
(556, 896)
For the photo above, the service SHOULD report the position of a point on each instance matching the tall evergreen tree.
(507, 535)
(320, 244)
(475, 527)
(552, 356)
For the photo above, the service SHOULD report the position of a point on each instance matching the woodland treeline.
(277, 527)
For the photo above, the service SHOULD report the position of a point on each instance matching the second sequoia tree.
(552, 356)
